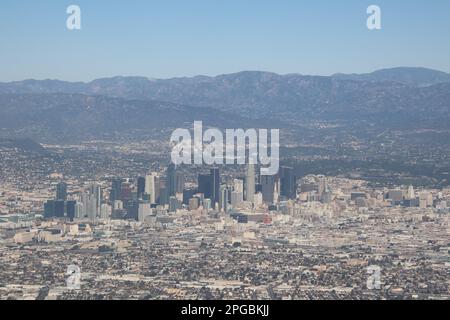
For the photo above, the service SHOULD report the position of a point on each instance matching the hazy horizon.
(218, 75)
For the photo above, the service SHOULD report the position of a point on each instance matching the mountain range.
(417, 77)
(396, 97)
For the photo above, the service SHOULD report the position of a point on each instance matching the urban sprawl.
(219, 233)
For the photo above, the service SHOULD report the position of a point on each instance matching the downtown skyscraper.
(250, 183)
(61, 191)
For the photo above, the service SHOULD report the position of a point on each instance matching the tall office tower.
(132, 209)
(179, 182)
(79, 211)
(116, 190)
(205, 185)
(163, 196)
(250, 181)
(223, 199)
(268, 188)
(237, 195)
(159, 183)
(92, 208)
(127, 192)
(140, 187)
(171, 181)
(174, 204)
(96, 192)
(61, 191)
(85, 202)
(410, 194)
(60, 206)
(327, 197)
(288, 183)
(276, 192)
(258, 174)
(150, 186)
(105, 211)
(71, 209)
(322, 185)
(49, 209)
(215, 176)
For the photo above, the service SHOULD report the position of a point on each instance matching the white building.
(150, 186)
(144, 211)
(105, 211)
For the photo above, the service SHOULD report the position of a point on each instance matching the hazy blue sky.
(168, 38)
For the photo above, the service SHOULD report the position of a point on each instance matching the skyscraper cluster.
(138, 199)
